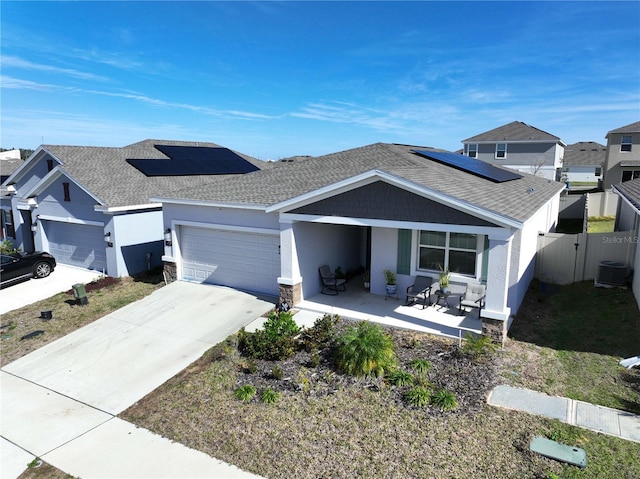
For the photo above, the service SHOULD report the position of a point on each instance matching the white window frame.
(473, 150)
(628, 143)
(498, 150)
(454, 276)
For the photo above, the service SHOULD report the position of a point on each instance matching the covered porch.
(357, 304)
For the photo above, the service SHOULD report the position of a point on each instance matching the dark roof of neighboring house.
(631, 191)
(585, 153)
(514, 131)
(632, 128)
(517, 199)
(105, 173)
(8, 166)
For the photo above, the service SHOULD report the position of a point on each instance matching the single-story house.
(583, 162)
(89, 207)
(628, 219)
(410, 209)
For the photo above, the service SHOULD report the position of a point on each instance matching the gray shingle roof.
(514, 131)
(516, 199)
(105, 172)
(631, 191)
(632, 128)
(585, 153)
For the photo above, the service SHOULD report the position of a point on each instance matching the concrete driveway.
(63, 395)
(31, 290)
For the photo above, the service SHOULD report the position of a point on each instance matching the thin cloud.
(16, 62)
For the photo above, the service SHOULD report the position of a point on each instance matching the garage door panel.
(77, 244)
(238, 259)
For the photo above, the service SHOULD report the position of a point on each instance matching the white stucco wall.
(144, 230)
(525, 245)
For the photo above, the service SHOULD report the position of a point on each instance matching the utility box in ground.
(80, 293)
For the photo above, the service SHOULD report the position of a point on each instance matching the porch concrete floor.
(357, 304)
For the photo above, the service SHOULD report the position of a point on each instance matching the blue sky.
(276, 79)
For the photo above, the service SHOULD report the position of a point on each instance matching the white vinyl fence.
(602, 204)
(568, 258)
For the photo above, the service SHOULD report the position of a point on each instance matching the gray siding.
(386, 202)
(519, 153)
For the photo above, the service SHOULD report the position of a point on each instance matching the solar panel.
(470, 165)
(193, 160)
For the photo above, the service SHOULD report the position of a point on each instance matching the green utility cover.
(560, 452)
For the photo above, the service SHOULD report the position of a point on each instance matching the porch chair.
(473, 297)
(420, 290)
(330, 284)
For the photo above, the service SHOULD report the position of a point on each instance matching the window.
(598, 171)
(454, 251)
(67, 195)
(7, 223)
(472, 150)
(630, 175)
(625, 143)
(501, 150)
(49, 165)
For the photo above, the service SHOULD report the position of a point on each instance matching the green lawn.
(577, 335)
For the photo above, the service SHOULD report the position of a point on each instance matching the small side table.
(444, 296)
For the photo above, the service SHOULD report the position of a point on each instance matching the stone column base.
(170, 272)
(496, 329)
(290, 294)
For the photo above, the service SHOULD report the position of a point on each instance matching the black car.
(25, 265)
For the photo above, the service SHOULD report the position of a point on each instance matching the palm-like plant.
(365, 350)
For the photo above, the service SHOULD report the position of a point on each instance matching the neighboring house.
(519, 146)
(628, 219)
(88, 206)
(9, 162)
(583, 162)
(622, 162)
(381, 206)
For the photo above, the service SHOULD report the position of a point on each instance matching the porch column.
(289, 281)
(496, 313)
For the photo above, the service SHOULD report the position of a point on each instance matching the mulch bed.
(468, 379)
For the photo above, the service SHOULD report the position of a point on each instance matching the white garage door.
(77, 245)
(243, 260)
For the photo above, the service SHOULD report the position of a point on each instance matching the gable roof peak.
(514, 131)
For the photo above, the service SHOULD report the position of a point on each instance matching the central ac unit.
(612, 273)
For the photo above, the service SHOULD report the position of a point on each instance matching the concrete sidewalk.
(613, 422)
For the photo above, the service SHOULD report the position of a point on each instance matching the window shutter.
(404, 252)
(485, 260)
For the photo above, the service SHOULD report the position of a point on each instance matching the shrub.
(478, 346)
(314, 359)
(275, 342)
(420, 366)
(322, 334)
(245, 393)
(6, 247)
(400, 378)
(418, 397)
(445, 400)
(269, 396)
(365, 350)
(277, 372)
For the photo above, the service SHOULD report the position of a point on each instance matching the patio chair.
(473, 297)
(420, 290)
(330, 284)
